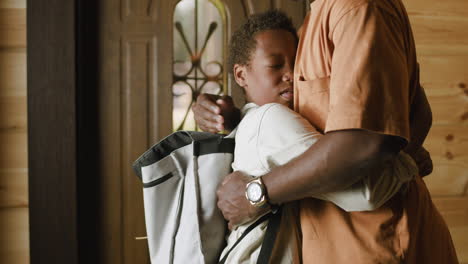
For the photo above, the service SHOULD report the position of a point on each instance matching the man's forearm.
(338, 160)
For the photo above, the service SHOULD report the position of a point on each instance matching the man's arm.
(335, 162)
(338, 160)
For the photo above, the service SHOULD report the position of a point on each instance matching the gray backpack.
(180, 175)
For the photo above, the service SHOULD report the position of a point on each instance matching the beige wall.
(14, 230)
(441, 33)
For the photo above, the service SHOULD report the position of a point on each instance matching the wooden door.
(135, 106)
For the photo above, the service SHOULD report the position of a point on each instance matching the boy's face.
(269, 77)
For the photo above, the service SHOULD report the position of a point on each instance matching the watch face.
(254, 192)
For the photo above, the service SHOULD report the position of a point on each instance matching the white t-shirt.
(271, 136)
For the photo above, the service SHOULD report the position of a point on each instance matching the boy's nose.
(288, 76)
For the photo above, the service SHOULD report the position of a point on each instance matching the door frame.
(61, 128)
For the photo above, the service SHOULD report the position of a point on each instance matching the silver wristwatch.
(255, 192)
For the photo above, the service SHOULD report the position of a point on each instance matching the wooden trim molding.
(52, 131)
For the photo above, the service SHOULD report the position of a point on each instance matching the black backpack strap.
(246, 232)
(270, 238)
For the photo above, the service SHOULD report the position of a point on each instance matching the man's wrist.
(257, 194)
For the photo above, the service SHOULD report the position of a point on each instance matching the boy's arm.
(282, 135)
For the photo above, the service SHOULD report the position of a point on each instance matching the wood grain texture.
(143, 10)
(21, 4)
(439, 23)
(445, 79)
(438, 70)
(52, 128)
(130, 117)
(14, 189)
(440, 30)
(435, 8)
(110, 187)
(13, 152)
(448, 146)
(138, 66)
(13, 114)
(12, 27)
(12, 73)
(14, 228)
(449, 105)
(14, 238)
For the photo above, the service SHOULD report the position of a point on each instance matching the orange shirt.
(356, 69)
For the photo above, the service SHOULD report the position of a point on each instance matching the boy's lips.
(287, 94)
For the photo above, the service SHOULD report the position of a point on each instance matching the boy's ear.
(240, 75)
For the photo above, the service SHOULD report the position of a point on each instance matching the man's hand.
(423, 159)
(232, 202)
(214, 113)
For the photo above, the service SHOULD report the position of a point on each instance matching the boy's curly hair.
(243, 40)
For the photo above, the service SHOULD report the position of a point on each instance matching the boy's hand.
(232, 202)
(214, 113)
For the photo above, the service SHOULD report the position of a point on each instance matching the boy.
(262, 55)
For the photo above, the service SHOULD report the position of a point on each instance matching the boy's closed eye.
(275, 63)
(275, 66)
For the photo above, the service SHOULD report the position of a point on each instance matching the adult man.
(356, 79)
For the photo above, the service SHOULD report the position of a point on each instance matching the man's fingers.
(214, 113)
(226, 179)
(207, 120)
(208, 101)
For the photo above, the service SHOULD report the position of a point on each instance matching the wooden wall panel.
(437, 30)
(13, 27)
(13, 188)
(13, 150)
(14, 229)
(443, 71)
(441, 35)
(13, 4)
(451, 8)
(448, 146)
(12, 71)
(13, 114)
(14, 238)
